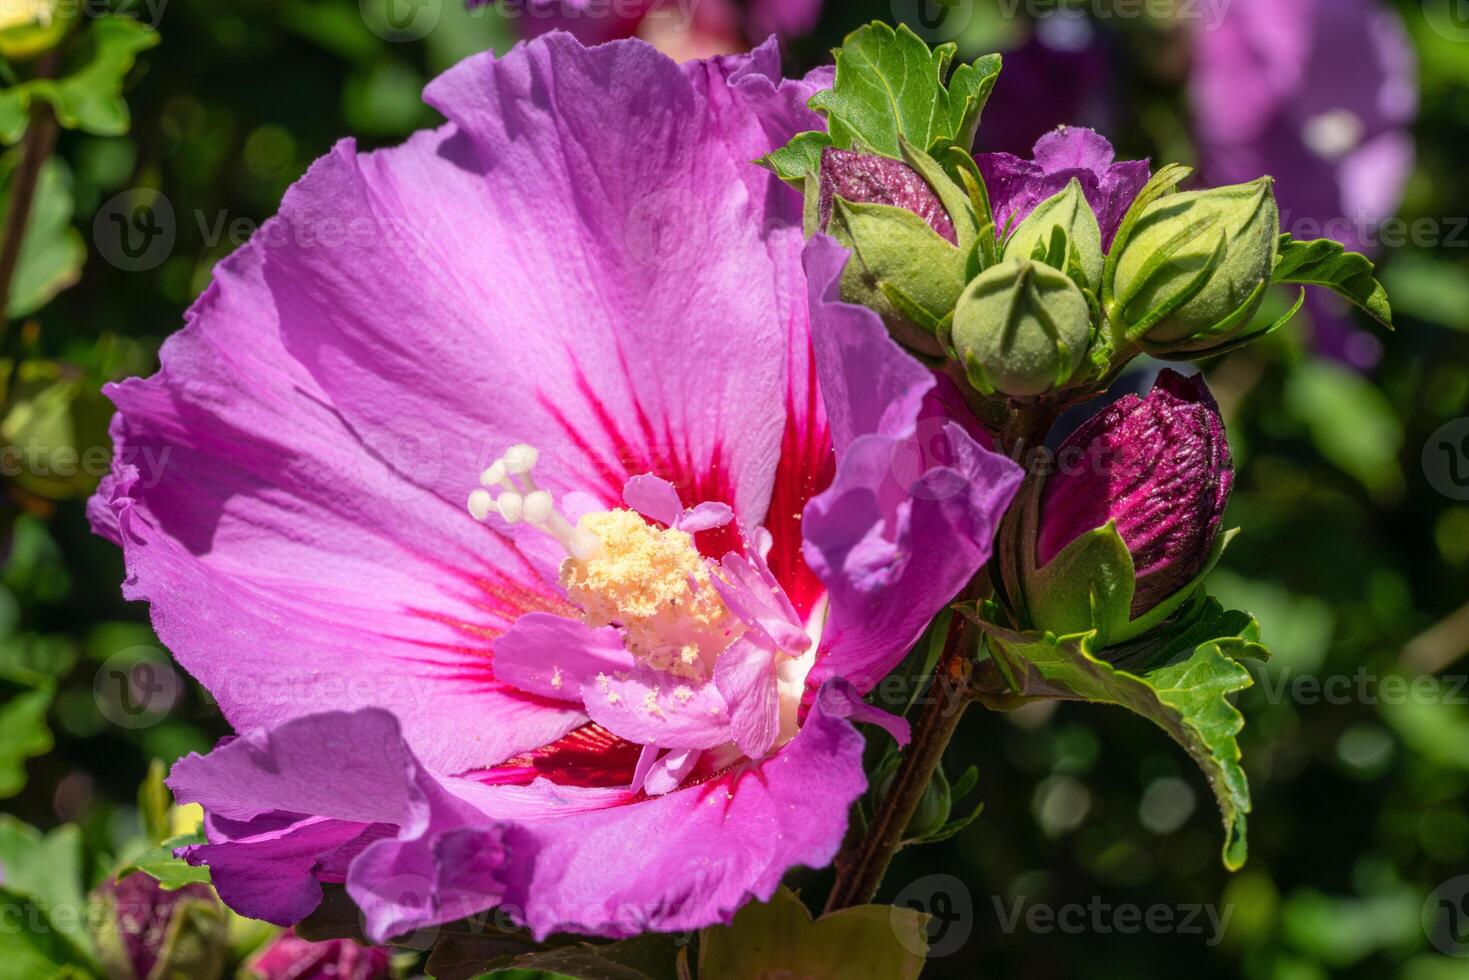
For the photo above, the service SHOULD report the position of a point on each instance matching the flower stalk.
(860, 875)
(40, 140)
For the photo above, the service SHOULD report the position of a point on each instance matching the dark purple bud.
(1160, 468)
(864, 179)
(289, 957)
(150, 932)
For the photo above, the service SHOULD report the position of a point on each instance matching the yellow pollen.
(654, 584)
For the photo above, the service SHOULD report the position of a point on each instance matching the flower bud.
(1195, 267)
(289, 957)
(1154, 472)
(1070, 212)
(1021, 329)
(149, 933)
(865, 179)
(904, 263)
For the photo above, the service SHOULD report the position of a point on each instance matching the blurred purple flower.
(1016, 186)
(1319, 94)
(1058, 76)
(681, 29)
(1160, 467)
(289, 957)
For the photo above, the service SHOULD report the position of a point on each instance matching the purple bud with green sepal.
(289, 957)
(151, 933)
(1129, 522)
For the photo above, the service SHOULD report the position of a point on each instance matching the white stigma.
(520, 499)
(521, 459)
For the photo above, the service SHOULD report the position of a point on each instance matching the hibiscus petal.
(745, 675)
(652, 707)
(557, 858)
(554, 656)
(298, 468)
(912, 514)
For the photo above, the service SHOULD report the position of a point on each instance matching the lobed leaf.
(1181, 681)
(1327, 263)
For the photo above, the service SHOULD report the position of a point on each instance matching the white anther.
(495, 475)
(480, 504)
(511, 506)
(539, 507)
(521, 459)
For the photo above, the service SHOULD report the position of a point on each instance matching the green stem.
(860, 873)
(40, 140)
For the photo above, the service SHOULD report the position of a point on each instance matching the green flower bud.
(902, 268)
(1068, 211)
(31, 27)
(1195, 268)
(1021, 329)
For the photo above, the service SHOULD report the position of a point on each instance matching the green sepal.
(1163, 182)
(901, 268)
(1326, 263)
(1180, 679)
(1066, 211)
(1088, 586)
(951, 195)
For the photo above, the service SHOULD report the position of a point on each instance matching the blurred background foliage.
(1355, 555)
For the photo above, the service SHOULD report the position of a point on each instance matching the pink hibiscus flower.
(710, 505)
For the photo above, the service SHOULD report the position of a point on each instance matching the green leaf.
(32, 946)
(46, 872)
(160, 864)
(1181, 681)
(1324, 262)
(1351, 422)
(89, 96)
(890, 86)
(779, 939)
(52, 252)
(23, 734)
